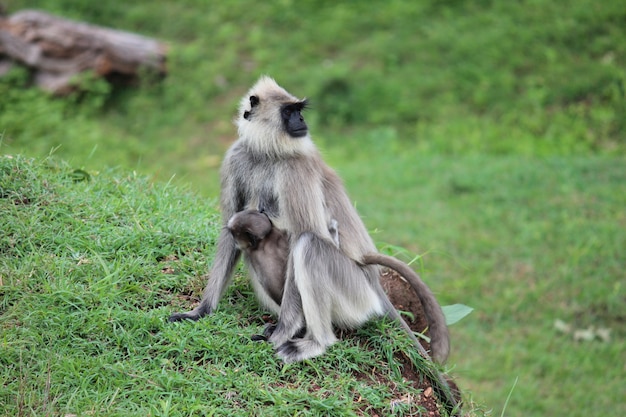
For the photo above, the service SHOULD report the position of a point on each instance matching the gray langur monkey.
(262, 244)
(267, 252)
(274, 167)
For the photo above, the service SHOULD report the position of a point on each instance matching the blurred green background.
(486, 136)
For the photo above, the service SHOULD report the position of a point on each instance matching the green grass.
(486, 136)
(91, 271)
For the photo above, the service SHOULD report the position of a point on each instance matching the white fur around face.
(264, 132)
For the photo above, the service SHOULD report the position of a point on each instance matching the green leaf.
(455, 312)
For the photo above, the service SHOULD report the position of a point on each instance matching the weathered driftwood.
(58, 49)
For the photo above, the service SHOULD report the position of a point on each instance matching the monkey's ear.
(254, 101)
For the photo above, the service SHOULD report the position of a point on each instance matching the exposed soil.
(404, 298)
(426, 404)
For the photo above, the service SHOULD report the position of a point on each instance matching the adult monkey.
(275, 167)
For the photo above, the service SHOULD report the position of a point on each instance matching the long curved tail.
(439, 336)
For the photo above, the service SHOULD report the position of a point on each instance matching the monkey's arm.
(220, 277)
(439, 336)
(226, 256)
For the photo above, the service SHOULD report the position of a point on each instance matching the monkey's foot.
(296, 350)
(278, 336)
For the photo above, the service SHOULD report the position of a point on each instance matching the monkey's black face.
(292, 119)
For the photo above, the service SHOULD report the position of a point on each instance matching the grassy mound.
(90, 268)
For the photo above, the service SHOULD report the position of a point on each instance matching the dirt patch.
(403, 297)
(425, 404)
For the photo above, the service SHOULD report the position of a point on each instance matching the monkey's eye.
(252, 239)
(288, 110)
(254, 100)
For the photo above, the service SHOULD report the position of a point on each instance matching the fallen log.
(58, 49)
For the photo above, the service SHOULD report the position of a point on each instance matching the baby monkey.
(267, 250)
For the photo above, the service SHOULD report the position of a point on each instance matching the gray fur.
(439, 337)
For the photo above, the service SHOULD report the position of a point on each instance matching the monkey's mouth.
(299, 133)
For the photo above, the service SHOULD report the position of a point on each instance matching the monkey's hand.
(267, 332)
(195, 314)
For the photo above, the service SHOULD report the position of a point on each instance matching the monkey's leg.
(316, 303)
(221, 274)
(290, 317)
(333, 290)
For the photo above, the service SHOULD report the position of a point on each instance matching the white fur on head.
(264, 131)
